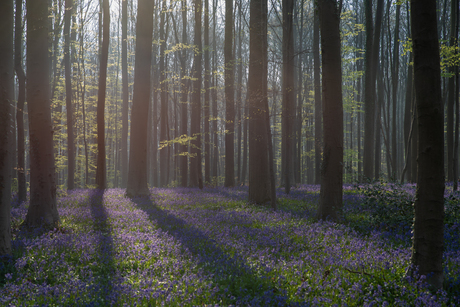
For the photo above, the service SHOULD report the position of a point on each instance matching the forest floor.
(189, 247)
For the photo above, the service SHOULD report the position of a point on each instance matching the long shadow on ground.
(240, 283)
(104, 294)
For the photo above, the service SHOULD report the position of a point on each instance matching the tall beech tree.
(330, 203)
(42, 208)
(288, 90)
(164, 159)
(259, 179)
(207, 96)
(101, 176)
(229, 97)
(184, 98)
(68, 97)
(371, 62)
(21, 165)
(137, 175)
(196, 179)
(6, 98)
(395, 81)
(125, 93)
(428, 237)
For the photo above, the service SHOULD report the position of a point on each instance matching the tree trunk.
(164, 102)
(42, 209)
(288, 90)
(395, 81)
(259, 180)
(137, 175)
(229, 97)
(428, 240)
(6, 97)
(378, 124)
(101, 179)
(195, 159)
(408, 118)
(22, 191)
(330, 204)
(184, 99)
(371, 59)
(68, 98)
(124, 80)
(239, 90)
(318, 103)
(207, 94)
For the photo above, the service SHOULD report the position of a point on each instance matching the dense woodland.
(140, 94)
(172, 67)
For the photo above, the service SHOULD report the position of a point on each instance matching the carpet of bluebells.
(191, 247)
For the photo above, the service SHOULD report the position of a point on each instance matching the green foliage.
(390, 204)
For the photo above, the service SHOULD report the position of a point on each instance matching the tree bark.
(428, 240)
(288, 90)
(229, 97)
(184, 99)
(125, 93)
(137, 175)
(330, 203)
(22, 190)
(371, 59)
(215, 159)
(318, 102)
(196, 179)
(101, 179)
(395, 81)
(68, 98)
(6, 98)
(42, 209)
(164, 102)
(207, 95)
(259, 180)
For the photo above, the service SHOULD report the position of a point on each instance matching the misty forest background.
(169, 118)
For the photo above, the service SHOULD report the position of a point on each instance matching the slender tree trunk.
(184, 98)
(244, 166)
(395, 81)
(195, 159)
(288, 90)
(6, 97)
(259, 180)
(332, 168)
(378, 124)
(207, 94)
(215, 159)
(101, 176)
(164, 101)
(407, 118)
(229, 97)
(428, 237)
(137, 175)
(68, 99)
(42, 209)
(369, 93)
(318, 102)
(239, 90)
(83, 107)
(22, 193)
(124, 80)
